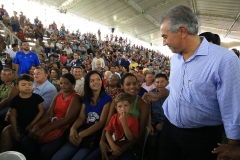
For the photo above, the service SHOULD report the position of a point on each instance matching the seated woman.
(31, 70)
(51, 131)
(64, 70)
(54, 78)
(140, 110)
(86, 131)
(149, 85)
(113, 87)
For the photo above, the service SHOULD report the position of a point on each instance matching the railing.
(13, 38)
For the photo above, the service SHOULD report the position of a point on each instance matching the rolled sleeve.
(228, 91)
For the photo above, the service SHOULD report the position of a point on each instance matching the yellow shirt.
(133, 65)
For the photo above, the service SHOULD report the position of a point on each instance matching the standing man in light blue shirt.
(204, 91)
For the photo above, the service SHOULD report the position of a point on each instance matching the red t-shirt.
(115, 126)
(63, 58)
(21, 36)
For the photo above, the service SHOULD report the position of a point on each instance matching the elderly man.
(78, 75)
(204, 91)
(43, 87)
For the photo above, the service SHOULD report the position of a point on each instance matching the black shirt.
(26, 108)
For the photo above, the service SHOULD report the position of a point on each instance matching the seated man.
(156, 116)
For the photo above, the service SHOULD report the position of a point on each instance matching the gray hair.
(181, 16)
(117, 77)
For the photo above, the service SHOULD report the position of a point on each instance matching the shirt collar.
(202, 50)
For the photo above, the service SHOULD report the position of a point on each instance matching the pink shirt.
(148, 88)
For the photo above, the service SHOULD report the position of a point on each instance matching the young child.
(122, 127)
(26, 108)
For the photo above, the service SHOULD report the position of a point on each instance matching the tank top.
(134, 110)
(61, 106)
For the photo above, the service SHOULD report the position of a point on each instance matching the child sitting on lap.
(123, 126)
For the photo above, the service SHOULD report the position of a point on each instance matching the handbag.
(90, 141)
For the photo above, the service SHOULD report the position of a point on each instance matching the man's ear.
(183, 31)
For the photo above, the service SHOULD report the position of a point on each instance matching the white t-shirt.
(11, 53)
(59, 45)
(79, 85)
(68, 51)
(47, 46)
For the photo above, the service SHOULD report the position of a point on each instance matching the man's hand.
(227, 152)
(151, 97)
(151, 129)
(159, 126)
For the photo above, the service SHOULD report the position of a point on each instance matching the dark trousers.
(35, 151)
(188, 144)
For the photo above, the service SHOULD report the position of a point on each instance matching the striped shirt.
(205, 90)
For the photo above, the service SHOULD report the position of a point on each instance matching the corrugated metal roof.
(139, 17)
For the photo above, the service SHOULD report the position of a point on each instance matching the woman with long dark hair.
(55, 78)
(86, 131)
(140, 110)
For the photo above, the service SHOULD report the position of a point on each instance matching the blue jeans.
(69, 151)
(35, 151)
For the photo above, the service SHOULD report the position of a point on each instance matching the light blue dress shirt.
(47, 91)
(205, 90)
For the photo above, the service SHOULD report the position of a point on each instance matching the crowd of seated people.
(78, 77)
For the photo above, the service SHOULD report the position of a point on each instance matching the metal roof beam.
(216, 17)
(145, 14)
(229, 29)
(194, 6)
(68, 4)
(219, 30)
